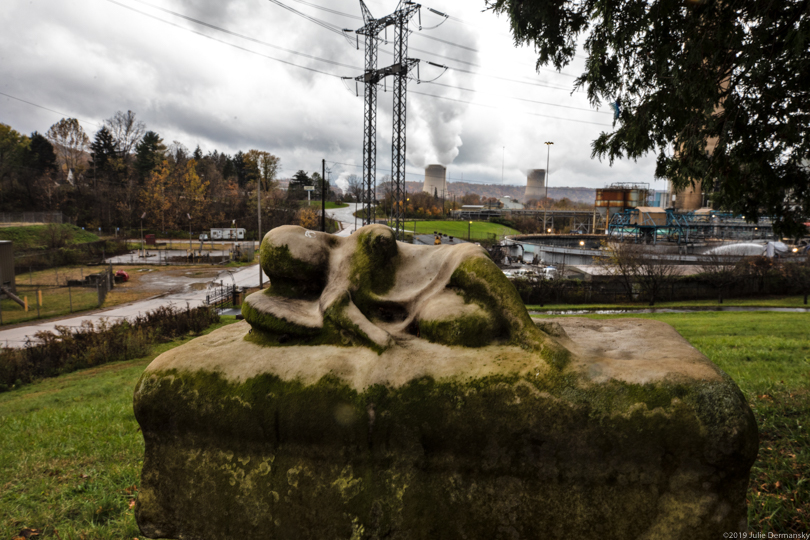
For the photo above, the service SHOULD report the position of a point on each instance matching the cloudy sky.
(272, 81)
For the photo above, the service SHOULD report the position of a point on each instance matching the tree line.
(126, 173)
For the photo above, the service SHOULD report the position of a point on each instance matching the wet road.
(243, 277)
(246, 277)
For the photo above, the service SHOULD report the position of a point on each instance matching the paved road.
(243, 277)
(345, 217)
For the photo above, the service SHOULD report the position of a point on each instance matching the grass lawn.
(768, 301)
(768, 355)
(58, 300)
(330, 205)
(71, 453)
(479, 230)
(36, 236)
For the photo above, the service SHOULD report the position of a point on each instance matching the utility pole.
(323, 195)
(259, 209)
(545, 202)
(503, 158)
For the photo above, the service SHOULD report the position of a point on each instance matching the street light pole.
(469, 227)
(189, 231)
(259, 184)
(548, 175)
(142, 216)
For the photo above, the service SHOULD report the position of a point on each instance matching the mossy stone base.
(426, 441)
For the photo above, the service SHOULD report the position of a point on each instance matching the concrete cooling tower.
(535, 185)
(435, 180)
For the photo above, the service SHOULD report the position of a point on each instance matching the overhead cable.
(219, 40)
(323, 24)
(314, 70)
(45, 108)
(214, 27)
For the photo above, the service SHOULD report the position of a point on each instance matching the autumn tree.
(70, 142)
(189, 195)
(153, 197)
(262, 166)
(683, 77)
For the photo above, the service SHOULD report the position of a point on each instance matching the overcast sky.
(89, 58)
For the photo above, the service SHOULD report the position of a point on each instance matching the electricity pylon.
(371, 78)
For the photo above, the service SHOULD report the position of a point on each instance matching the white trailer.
(228, 234)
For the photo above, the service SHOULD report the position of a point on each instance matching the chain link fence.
(61, 294)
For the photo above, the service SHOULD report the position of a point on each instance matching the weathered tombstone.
(385, 390)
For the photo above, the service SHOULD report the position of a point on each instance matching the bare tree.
(653, 272)
(638, 265)
(620, 260)
(126, 131)
(797, 273)
(355, 187)
(70, 143)
(720, 272)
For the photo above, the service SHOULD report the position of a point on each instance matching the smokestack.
(535, 185)
(435, 180)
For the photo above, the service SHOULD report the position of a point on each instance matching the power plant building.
(436, 180)
(535, 185)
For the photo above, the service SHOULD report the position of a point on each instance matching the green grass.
(478, 230)
(330, 205)
(768, 355)
(71, 453)
(769, 301)
(36, 236)
(55, 431)
(55, 302)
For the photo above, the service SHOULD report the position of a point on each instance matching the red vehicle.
(121, 276)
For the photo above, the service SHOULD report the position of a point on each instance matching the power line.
(222, 41)
(243, 36)
(46, 108)
(516, 98)
(328, 10)
(317, 70)
(523, 112)
(329, 26)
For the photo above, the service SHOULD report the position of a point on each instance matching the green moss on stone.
(373, 267)
(466, 331)
(269, 323)
(542, 454)
(289, 276)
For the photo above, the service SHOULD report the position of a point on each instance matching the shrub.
(92, 345)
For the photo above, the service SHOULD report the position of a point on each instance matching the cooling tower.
(435, 180)
(535, 185)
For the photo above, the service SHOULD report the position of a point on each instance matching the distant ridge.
(575, 194)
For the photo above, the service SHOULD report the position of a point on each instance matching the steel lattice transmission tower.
(371, 79)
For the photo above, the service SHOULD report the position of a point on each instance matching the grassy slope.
(71, 453)
(82, 424)
(330, 205)
(35, 236)
(478, 229)
(769, 301)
